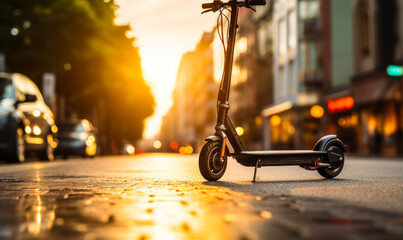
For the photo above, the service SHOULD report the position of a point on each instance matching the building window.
(291, 78)
(239, 73)
(309, 9)
(282, 84)
(313, 56)
(292, 29)
(364, 21)
(309, 18)
(282, 37)
(261, 34)
(364, 24)
(302, 56)
(399, 26)
(310, 33)
(309, 60)
(264, 38)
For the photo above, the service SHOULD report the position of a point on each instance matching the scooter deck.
(279, 158)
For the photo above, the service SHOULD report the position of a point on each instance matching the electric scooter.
(327, 157)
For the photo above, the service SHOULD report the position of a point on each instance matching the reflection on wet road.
(127, 199)
(154, 197)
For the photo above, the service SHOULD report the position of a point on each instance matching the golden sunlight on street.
(150, 196)
(163, 196)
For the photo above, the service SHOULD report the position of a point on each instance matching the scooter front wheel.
(212, 166)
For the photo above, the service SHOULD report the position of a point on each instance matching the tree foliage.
(97, 66)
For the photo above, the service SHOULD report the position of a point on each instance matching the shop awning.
(376, 90)
(277, 109)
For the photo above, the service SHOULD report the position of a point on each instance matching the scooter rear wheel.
(336, 167)
(212, 166)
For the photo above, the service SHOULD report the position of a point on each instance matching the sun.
(160, 67)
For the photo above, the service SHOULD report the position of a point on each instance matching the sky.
(165, 30)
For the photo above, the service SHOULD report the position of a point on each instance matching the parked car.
(26, 122)
(77, 137)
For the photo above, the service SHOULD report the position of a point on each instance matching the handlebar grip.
(207, 5)
(257, 2)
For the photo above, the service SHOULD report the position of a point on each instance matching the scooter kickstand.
(256, 166)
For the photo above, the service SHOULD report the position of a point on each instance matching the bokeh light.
(37, 130)
(189, 150)
(14, 31)
(317, 111)
(182, 150)
(67, 66)
(275, 120)
(130, 150)
(240, 130)
(174, 145)
(157, 144)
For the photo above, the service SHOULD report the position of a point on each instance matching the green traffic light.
(395, 71)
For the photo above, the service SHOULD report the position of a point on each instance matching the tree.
(98, 67)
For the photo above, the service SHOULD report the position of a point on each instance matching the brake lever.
(206, 11)
(250, 7)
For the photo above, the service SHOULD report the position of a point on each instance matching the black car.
(77, 137)
(26, 122)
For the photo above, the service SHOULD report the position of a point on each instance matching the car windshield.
(71, 127)
(6, 89)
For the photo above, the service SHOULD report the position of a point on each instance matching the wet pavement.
(162, 196)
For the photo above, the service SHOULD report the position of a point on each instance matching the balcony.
(311, 79)
(310, 27)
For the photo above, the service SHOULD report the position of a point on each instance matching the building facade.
(367, 37)
(299, 59)
(193, 113)
(330, 59)
(302, 69)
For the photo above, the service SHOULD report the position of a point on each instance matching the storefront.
(379, 105)
(368, 117)
(292, 127)
(341, 119)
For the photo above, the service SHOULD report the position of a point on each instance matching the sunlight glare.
(164, 33)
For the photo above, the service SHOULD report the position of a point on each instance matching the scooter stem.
(223, 96)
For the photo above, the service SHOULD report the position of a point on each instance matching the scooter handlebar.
(207, 5)
(216, 4)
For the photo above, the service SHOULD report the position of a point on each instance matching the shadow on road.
(282, 187)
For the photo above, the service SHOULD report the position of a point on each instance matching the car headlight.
(90, 140)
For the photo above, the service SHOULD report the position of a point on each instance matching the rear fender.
(325, 142)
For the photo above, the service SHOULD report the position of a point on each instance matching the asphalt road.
(163, 196)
